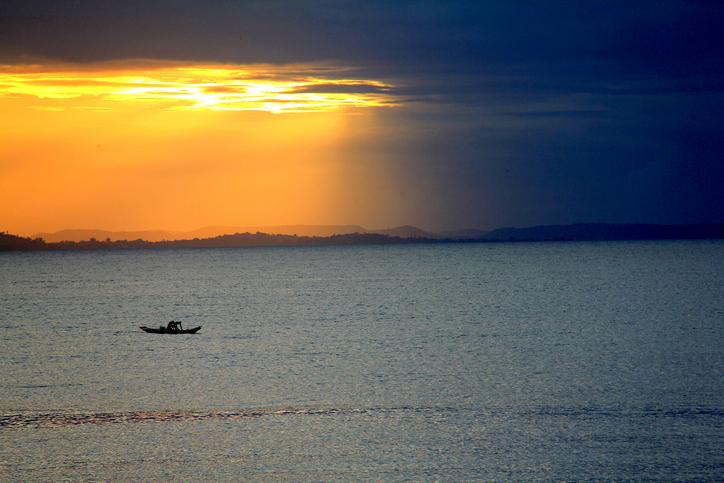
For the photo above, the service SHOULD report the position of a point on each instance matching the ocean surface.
(497, 361)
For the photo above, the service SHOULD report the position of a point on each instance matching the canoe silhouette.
(164, 330)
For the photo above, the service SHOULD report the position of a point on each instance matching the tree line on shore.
(9, 242)
(572, 232)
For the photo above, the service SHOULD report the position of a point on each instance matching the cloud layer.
(190, 86)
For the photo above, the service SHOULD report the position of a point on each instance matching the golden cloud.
(275, 89)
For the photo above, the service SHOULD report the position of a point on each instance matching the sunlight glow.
(156, 144)
(197, 87)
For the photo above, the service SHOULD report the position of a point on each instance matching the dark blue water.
(553, 361)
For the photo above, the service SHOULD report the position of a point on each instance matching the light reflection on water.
(496, 361)
(62, 419)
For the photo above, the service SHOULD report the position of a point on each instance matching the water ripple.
(67, 419)
(62, 419)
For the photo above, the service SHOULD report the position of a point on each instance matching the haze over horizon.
(178, 115)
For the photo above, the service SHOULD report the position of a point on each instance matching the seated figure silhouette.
(174, 326)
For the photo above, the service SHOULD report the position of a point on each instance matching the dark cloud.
(527, 47)
(530, 112)
(579, 113)
(356, 88)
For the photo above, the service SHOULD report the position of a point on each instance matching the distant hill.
(306, 230)
(214, 231)
(463, 234)
(406, 231)
(206, 232)
(608, 231)
(265, 239)
(299, 235)
(87, 234)
(15, 243)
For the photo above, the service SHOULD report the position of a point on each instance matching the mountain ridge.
(77, 235)
(410, 234)
(573, 231)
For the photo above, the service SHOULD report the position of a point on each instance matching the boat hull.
(164, 330)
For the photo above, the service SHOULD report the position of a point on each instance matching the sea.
(425, 362)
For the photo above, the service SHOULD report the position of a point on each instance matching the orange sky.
(180, 146)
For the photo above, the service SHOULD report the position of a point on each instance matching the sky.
(441, 114)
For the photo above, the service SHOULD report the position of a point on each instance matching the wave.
(67, 419)
(62, 419)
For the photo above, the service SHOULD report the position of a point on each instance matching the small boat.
(164, 330)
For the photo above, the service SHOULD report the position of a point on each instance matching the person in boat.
(174, 326)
